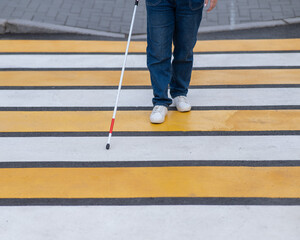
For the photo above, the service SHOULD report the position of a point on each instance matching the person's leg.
(187, 21)
(160, 28)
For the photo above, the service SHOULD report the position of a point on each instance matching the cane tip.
(107, 146)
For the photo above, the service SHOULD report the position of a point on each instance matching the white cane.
(121, 78)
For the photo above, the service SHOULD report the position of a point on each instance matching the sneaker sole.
(184, 110)
(156, 122)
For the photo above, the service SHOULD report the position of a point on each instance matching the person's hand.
(212, 5)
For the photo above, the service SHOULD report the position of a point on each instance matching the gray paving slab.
(25, 26)
(115, 15)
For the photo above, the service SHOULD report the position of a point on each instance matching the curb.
(240, 26)
(292, 20)
(25, 26)
(251, 25)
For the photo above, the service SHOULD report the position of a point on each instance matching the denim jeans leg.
(188, 18)
(160, 29)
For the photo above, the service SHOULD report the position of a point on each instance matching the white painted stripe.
(139, 61)
(244, 60)
(151, 222)
(150, 148)
(142, 97)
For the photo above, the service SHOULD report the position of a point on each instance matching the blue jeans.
(170, 21)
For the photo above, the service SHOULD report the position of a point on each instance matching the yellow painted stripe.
(221, 120)
(111, 78)
(140, 46)
(271, 182)
(248, 45)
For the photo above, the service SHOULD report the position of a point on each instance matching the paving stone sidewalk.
(115, 15)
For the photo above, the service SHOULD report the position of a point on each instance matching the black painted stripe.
(247, 52)
(75, 53)
(246, 86)
(144, 69)
(144, 53)
(146, 201)
(151, 134)
(145, 87)
(149, 108)
(149, 163)
(72, 87)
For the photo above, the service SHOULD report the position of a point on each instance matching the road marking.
(240, 184)
(124, 164)
(82, 61)
(140, 46)
(142, 98)
(111, 78)
(278, 182)
(206, 148)
(186, 222)
(151, 222)
(220, 120)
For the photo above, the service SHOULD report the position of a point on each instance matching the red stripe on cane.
(112, 125)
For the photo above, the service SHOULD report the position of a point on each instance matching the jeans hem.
(177, 95)
(159, 104)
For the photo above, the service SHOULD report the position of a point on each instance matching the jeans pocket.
(196, 4)
(153, 2)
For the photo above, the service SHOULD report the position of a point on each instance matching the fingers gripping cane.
(121, 78)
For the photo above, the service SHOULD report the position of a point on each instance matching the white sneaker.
(182, 104)
(158, 114)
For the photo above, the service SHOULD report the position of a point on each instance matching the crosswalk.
(232, 163)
